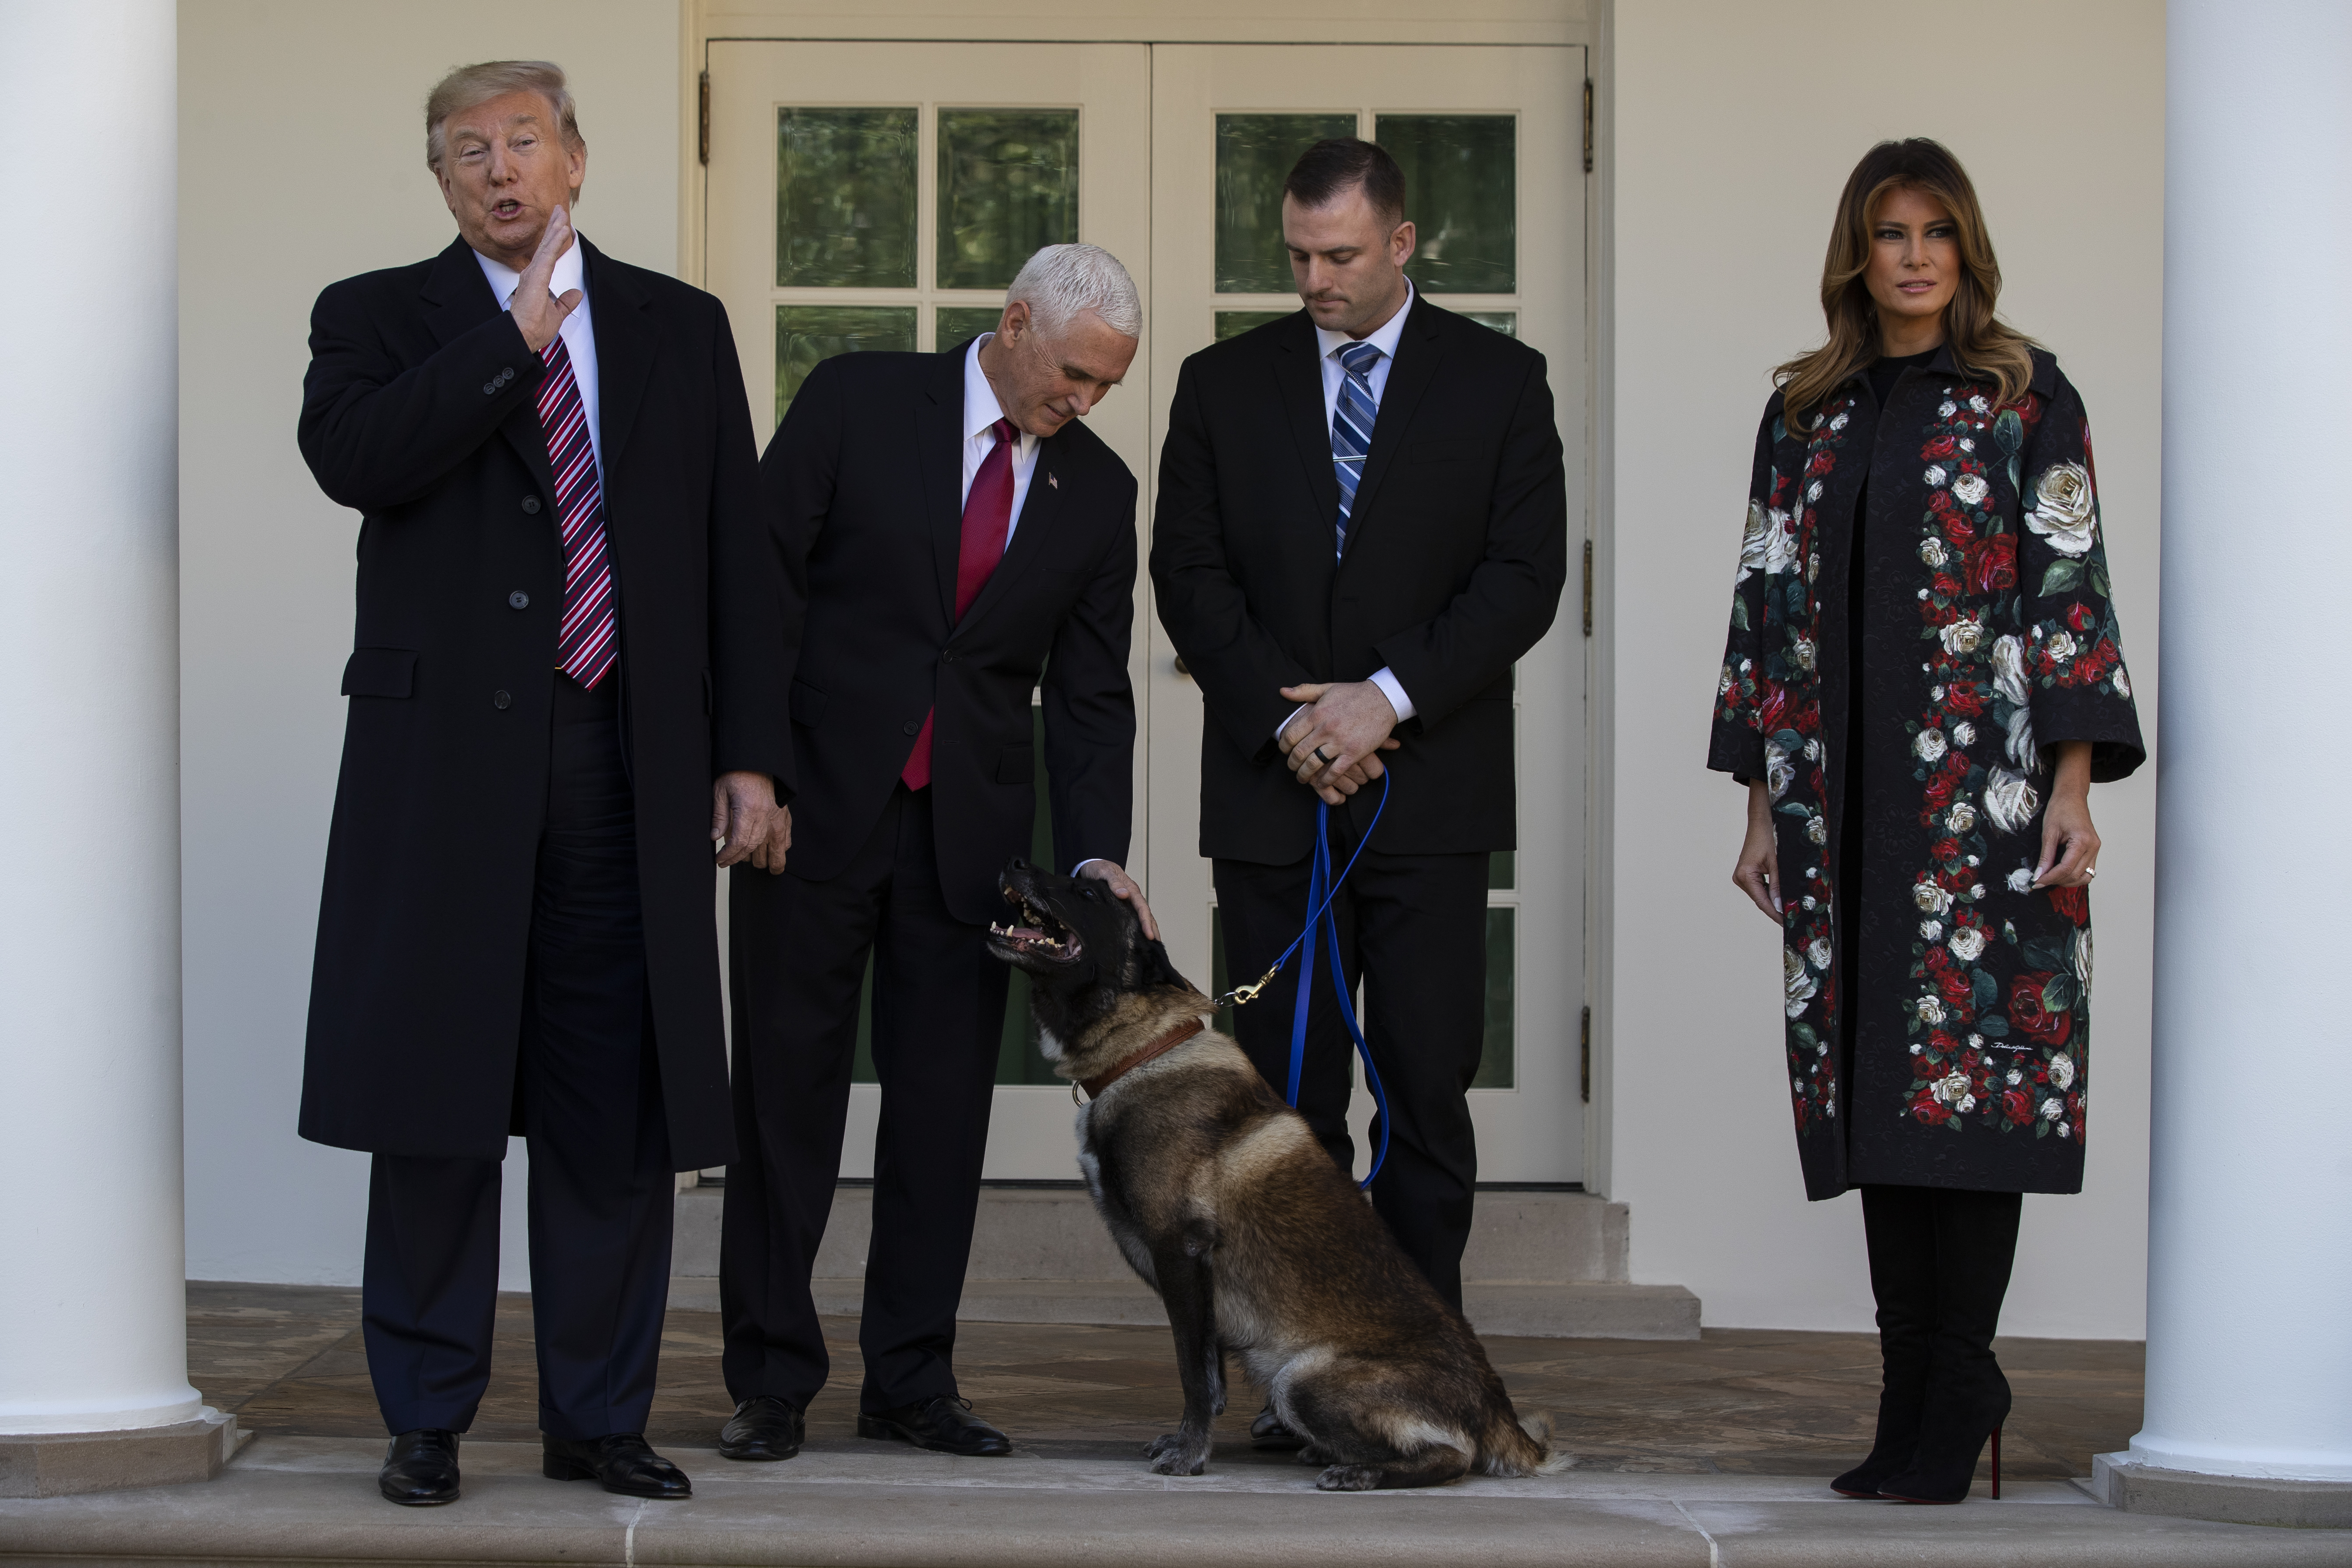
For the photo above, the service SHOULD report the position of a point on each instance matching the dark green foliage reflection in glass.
(1494, 1062)
(1008, 187)
(807, 333)
(1504, 322)
(1233, 323)
(1255, 152)
(1462, 192)
(845, 197)
(961, 323)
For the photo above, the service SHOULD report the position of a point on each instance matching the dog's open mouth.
(1039, 932)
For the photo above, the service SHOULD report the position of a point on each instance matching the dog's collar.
(1167, 1042)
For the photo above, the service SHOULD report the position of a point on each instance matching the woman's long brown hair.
(1982, 343)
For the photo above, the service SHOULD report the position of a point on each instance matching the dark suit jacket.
(863, 484)
(1457, 549)
(416, 993)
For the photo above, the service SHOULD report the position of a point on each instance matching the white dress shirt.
(1384, 338)
(981, 410)
(579, 334)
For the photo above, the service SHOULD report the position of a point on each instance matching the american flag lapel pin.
(1051, 480)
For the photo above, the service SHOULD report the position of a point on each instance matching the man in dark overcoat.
(958, 546)
(566, 685)
(1362, 524)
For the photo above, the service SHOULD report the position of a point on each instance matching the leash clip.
(1242, 995)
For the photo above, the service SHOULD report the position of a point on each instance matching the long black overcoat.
(419, 411)
(1987, 638)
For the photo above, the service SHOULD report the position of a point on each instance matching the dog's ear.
(1156, 969)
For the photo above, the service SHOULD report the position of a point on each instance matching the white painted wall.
(302, 161)
(1735, 126)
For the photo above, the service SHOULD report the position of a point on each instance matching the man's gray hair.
(469, 87)
(1062, 281)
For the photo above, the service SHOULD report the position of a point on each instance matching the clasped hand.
(1333, 743)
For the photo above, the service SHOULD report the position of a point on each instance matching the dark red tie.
(586, 644)
(987, 518)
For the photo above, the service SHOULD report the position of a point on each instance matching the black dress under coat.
(1987, 637)
(419, 411)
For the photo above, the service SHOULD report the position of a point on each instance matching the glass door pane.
(1008, 187)
(1255, 152)
(1462, 179)
(845, 198)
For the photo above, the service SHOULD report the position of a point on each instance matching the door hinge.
(702, 138)
(1587, 587)
(1584, 1072)
(1588, 124)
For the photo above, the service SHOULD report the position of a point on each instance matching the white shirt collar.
(980, 408)
(1385, 340)
(568, 274)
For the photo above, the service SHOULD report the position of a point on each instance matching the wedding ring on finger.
(2089, 872)
(1322, 756)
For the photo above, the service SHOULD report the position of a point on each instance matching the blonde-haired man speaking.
(564, 689)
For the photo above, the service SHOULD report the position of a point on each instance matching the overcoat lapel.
(625, 345)
(456, 299)
(1032, 533)
(1418, 356)
(939, 454)
(1300, 375)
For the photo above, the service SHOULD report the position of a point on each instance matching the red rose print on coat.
(2025, 1011)
(2074, 903)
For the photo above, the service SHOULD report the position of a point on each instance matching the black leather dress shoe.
(763, 1428)
(1269, 1432)
(944, 1424)
(621, 1461)
(420, 1468)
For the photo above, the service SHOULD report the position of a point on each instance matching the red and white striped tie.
(586, 644)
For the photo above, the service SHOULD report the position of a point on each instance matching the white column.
(92, 1326)
(2249, 1244)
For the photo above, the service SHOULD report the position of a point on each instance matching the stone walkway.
(1708, 1455)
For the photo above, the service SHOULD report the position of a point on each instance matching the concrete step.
(1546, 1265)
(1054, 1233)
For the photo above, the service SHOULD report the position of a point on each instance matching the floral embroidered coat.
(1987, 637)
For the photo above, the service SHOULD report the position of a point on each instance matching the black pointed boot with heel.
(1940, 1266)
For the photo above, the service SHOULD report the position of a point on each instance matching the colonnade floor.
(1710, 1453)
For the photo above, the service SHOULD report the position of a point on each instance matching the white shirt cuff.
(1079, 870)
(1294, 713)
(1393, 690)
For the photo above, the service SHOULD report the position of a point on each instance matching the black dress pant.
(800, 953)
(588, 1089)
(1413, 929)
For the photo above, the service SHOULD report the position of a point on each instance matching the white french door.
(865, 196)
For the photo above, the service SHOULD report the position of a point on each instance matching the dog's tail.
(1509, 1447)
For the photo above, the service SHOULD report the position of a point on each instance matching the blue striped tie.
(1351, 427)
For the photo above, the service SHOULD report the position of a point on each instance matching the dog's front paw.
(1175, 1454)
(1348, 1478)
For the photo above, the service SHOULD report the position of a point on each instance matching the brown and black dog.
(1225, 1203)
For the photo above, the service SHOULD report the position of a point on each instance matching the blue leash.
(1322, 888)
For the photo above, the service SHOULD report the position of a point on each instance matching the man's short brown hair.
(1331, 167)
(467, 85)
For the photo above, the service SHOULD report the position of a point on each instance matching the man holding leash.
(953, 539)
(566, 686)
(1362, 523)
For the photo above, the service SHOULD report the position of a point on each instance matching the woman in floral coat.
(1922, 679)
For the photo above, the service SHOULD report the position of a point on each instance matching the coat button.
(501, 700)
(490, 388)
(530, 503)
(912, 729)
(518, 599)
